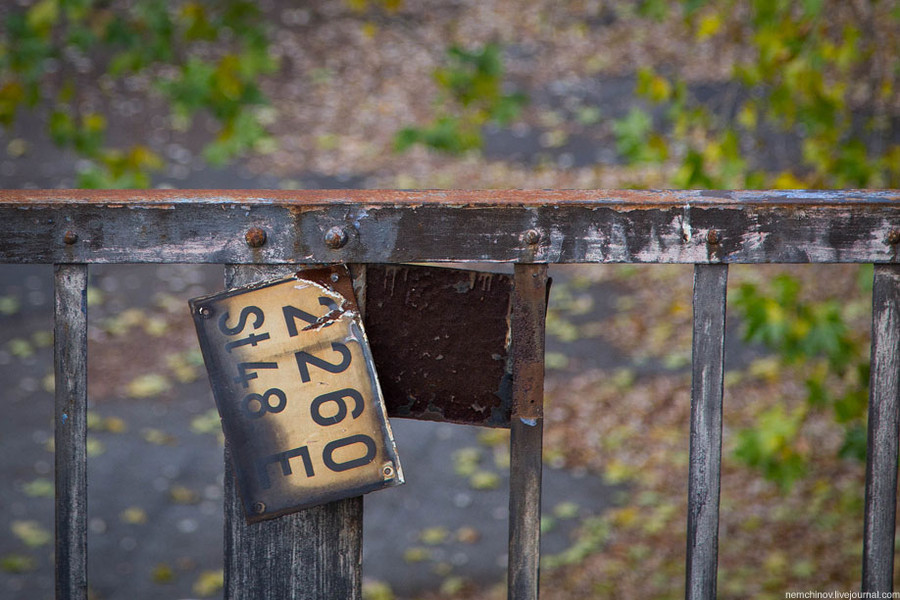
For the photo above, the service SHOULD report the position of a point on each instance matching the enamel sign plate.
(294, 383)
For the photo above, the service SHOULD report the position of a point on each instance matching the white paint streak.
(554, 252)
(686, 233)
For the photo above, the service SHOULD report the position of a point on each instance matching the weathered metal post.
(529, 306)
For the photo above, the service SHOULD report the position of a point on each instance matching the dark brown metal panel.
(501, 226)
(70, 433)
(710, 283)
(884, 419)
(315, 554)
(439, 338)
(529, 308)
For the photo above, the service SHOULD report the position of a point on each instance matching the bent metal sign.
(296, 388)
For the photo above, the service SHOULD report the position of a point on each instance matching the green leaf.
(43, 16)
(812, 8)
(62, 127)
(12, 94)
(634, 140)
(854, 446)
(17, 563)
(657, 10)
(769, 446)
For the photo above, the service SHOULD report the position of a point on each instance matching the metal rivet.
(204, 312)
(255, 237)
(336, 238)
(713, 237)
(388, 471)
(531, 237)
(70, 237)
(259, 507)
(893, 237)
(335, 277)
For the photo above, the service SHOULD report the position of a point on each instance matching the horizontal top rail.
(385, 226)
(622, 199)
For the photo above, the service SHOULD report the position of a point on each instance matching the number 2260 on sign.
(295, 385)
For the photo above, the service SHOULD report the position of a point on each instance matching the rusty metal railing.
(317, 553)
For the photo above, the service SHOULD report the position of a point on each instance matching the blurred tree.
(822, 71)
(471, 96)
(200, 55)
(824, 74)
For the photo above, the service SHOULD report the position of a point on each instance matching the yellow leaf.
(434, 535)
(709, 26)
(94, 122)
(748, 117)
(147, 386)
(163, 573)
(208, 583)
(134, 515)
(31, 533)
(369, 29)
(788, 181)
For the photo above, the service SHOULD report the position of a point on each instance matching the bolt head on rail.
(336, 238)
(255, 237)
(531, 237)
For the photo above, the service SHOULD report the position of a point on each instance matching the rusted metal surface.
(704, 471)
(328, 226)
(255, 237)
(529, 312)
(296, 389)
(527, 320)
(631, 198)
(440, 342)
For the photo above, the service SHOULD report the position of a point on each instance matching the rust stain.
(529, 310)
(302, 200)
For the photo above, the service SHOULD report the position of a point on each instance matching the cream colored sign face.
(300, 403)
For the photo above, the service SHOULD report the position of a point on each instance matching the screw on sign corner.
(893, 237)
(713, 237)
(70, 237)
(259, 507)
(388, 471)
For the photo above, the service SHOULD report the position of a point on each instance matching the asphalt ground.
(156, 470)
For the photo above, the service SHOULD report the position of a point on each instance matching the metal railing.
(317, 553)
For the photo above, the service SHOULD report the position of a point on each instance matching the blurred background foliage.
(199, 56)
(821, 75)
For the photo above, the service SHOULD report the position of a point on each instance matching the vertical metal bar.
(313, 554)
(70, 431)
(708, 351)
(529, 305)
(881, 466)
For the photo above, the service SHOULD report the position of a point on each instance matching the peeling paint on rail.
(557, 226)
